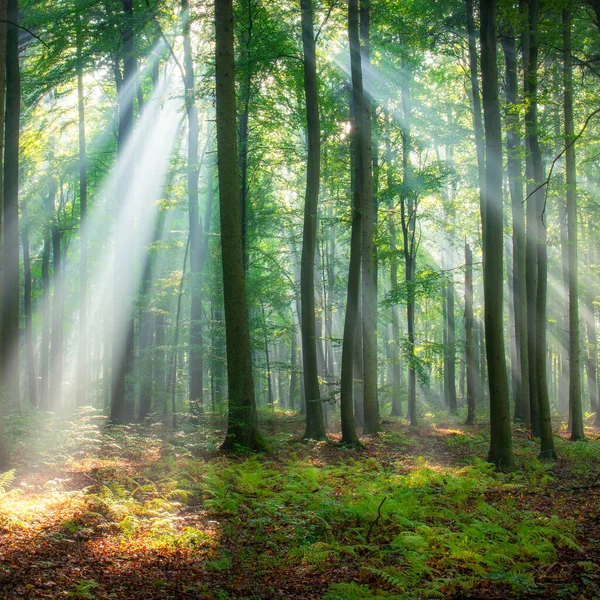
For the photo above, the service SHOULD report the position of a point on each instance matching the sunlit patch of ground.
(144, 512)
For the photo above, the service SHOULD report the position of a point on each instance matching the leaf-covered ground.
(97, 512)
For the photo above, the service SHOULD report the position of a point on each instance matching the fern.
(6, 480)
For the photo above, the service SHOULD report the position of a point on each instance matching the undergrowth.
(408, 527)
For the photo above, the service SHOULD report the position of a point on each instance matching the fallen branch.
(376, 520)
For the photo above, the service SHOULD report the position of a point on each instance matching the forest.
(299, 299)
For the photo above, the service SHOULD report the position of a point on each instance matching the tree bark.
(121, 410)
(28, 313)
(9, 320)
(242, 423)
(515, 181)
(315, 427)
(500, 432)
(82, 347)
(469, 339)
(196, 366)
(58, 304)
(369, 290)
(575, 404)
(395, 342)
(351, 321)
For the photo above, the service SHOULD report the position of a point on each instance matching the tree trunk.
(82, 349)
(195, 365)
(469, 340)
(4, 457)
(475, 98)
(369, 290)
(408, 221)
(315, 427)
(500, 432)
(515, 181)
(540, 403)
(9, 322)
(29, 352)
(395, 342)
(58, 302)
(577, 431)
(351, 321)
(121, 410)
(242, 425)
(45, 343)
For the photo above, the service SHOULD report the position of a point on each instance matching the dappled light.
(299, 299)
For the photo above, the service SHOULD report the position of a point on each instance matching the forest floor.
(92, 511)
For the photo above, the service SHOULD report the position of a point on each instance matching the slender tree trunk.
(529, 90)
(476, 100)
(469, 340)
(57, 332)
(9, 321)
(515, 180)
(29, 352)
(500, 443)
(395, 342)
(537, 247)
(82, 348)
(46, 296)
(577, 431)
(195, 365)
(176, 338)
(242, 426)
(408, 222)
(121, 410)
(351, 322)
(315, 427)
(4, 457)
(369, 290)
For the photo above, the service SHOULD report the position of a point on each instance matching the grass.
(147, 512)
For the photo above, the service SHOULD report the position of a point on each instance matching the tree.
(121, 410)
(242, 424)
(3, 34)
(500, 433)
(369, 287)
(10, 223)
(514, 172)
(315, 428)
(536, 250)
(359, 193)
(577, 432)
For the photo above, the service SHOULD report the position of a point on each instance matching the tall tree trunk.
(196, 366)
(242, 425)
(408, 221)
(293, 374)
(515, 181)
(476, 100)
(121, 410)
(29, 353)
(369, 290)
(469, 339)
(9, 320)
(533, 179)
(351, 321)
(82, 348)
(58, 304)
(395, 342)
(537, 247)
(500, 439)
(315, 427)
(577, 431)
(4, 457)
(46, 296)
